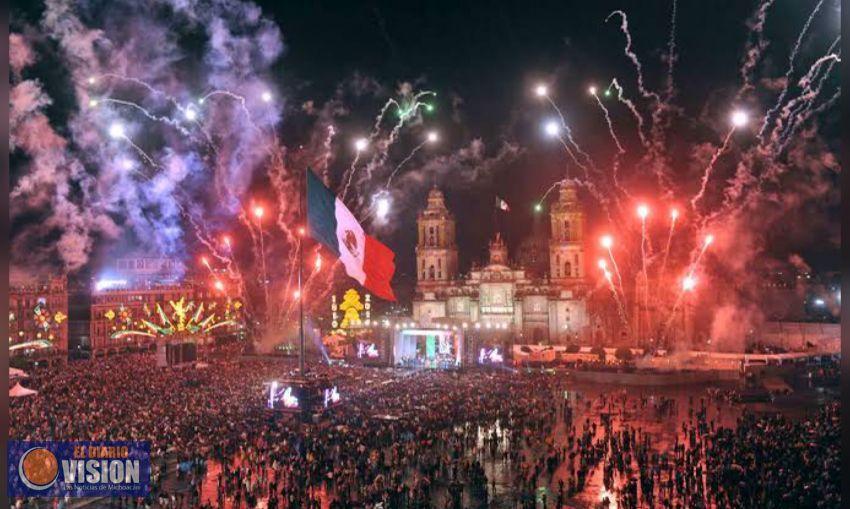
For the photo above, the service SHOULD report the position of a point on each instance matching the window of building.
(568, 269)
(431, 272)
(431, 241)
(566, 231)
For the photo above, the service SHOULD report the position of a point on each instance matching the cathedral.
(538, 302)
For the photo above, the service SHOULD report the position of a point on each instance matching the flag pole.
(302, 228)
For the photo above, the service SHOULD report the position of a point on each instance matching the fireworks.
(193, 130)
(688, 283)
(116, 131)
(219, 285)
(739, 118)
(382, 207)
(190, 114)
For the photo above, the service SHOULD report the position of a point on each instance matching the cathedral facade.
(536, 306)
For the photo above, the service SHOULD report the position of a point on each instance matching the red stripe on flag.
(379, 266)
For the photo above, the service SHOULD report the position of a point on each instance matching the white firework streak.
(379, 119)
(321, 161)
(551, 188)
(141, 83)
(402, 163)
(572, 156)
(707, 174)
(807, 114)
(141, 152)
(631, 106)
(238, 98)
(624, 27)
(568, 132)
(789, 72)
(691, 269)
(616, 271)
(204, 238)
(793, 110)
(671, 51)
(166, 120)
(380, 157)
(662, 271)
(350, 174)
(754, 50)
(620, 307)
(620, 148)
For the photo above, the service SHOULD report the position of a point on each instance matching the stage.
(428, 348)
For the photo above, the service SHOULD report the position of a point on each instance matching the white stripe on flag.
(351, 242)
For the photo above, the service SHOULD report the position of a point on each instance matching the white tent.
(19, 391)
(17, 373)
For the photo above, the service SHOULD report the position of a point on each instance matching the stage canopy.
(19, 391)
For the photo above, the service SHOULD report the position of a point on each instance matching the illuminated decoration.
(185, 318)
(11, 316)
(125, 315)
(334, 315)
(41, 316)
(59, 317)
(42, 343)
(352, 307)
(108, 284)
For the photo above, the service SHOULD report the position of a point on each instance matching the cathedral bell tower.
(566, 249)
(436, 250)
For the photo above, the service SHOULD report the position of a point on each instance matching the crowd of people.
(427, 438)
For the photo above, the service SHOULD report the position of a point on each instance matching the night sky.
(491, 54)
(484, 58)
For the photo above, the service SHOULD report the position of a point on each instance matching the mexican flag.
(331, 223)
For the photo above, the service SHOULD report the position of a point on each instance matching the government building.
(537, 302)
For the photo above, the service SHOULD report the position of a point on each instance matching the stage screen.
(491, 356)
(367, 350)
(428, 348)
(284, 398)
(332, 397)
